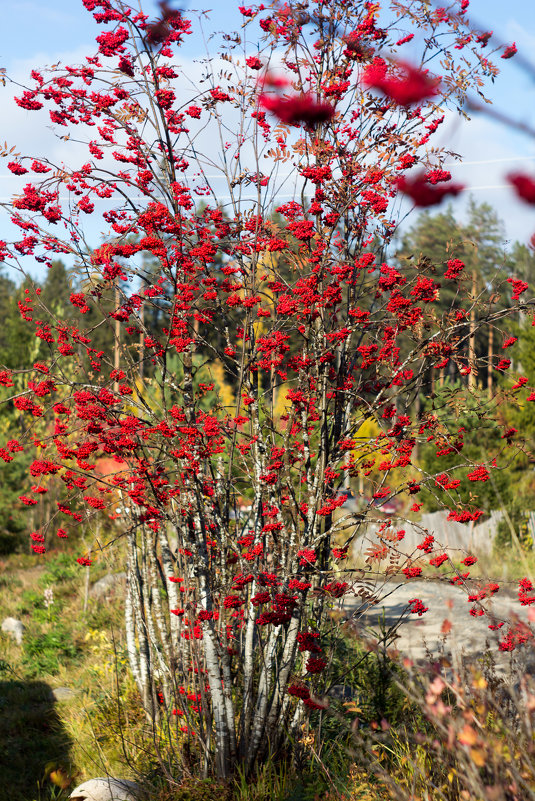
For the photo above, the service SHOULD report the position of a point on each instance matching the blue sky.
(42, 32)
(43, 27)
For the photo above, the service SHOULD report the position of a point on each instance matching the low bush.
(44, 652)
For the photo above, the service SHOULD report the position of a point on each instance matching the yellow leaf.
(478, 757)
(60, 778)
(467, 736)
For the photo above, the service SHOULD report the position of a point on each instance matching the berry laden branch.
(262, 352)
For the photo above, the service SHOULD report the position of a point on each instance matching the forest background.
(487, 214)
(479, 240)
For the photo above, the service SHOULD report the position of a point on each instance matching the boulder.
(107, 789)
(63, 693)
(15, 628)
(107, 586)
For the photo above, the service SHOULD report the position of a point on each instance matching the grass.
(100, 729)
(34, 743)
(383, 733)
(63, 646)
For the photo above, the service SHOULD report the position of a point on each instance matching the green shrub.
(9, 581)
(44, 652)
(61, 567)
(32, 603)
(519, 519)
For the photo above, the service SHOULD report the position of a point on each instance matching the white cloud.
(488, 153)
(33, 134)
(523, 36)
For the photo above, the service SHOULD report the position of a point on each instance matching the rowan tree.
(226, 601)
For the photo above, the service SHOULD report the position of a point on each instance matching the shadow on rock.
(33, 742)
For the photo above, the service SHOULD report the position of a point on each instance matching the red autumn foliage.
(424, 195)
(407, 86)
(299, 109)
(524, 186)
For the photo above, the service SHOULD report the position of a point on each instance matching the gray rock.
(15, 628)
(419, 637)
(63, 693)
(107, 789)
(107, 586)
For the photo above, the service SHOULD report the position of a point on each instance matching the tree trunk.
(490, 357)
(472, 337)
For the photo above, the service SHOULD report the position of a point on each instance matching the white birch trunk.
(259, 719)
